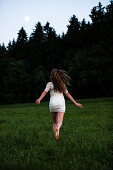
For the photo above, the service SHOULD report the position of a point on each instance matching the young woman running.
(57, 86)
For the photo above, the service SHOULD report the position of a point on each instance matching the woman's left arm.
(71, 98)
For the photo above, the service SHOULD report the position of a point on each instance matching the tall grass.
(86, 137)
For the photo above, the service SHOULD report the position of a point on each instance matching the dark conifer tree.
(36, 47)
(51, 47)
(72, 36)
(21, 44)
(97, 17)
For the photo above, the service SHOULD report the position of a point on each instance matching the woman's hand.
(38, 101)
(79, 105)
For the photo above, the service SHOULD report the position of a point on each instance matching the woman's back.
(53, 92)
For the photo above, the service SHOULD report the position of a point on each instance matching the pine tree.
(21, 44)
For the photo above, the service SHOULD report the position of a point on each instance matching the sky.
(27, 13)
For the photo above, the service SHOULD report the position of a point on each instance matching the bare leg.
(54, 117)
(60, 119)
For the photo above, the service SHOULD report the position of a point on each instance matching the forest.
(85, 52)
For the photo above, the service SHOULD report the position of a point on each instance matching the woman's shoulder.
(50, 84)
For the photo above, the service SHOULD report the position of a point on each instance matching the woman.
(57, 86)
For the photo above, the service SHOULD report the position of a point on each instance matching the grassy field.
(86, 137)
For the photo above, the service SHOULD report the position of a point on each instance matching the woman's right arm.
(48, 86)
(71, 98)
(41, 97)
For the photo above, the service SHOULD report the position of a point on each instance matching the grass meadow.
(85, 143)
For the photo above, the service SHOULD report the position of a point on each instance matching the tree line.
(85, 51)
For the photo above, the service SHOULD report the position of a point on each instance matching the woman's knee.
(60, 116)
(54, 117)
(55, 122)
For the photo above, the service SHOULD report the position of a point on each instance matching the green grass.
(86, 137)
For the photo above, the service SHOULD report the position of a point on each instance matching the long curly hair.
(60, 80)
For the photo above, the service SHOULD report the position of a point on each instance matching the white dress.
(57, 101)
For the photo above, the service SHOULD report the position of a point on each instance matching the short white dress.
(57, 101)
